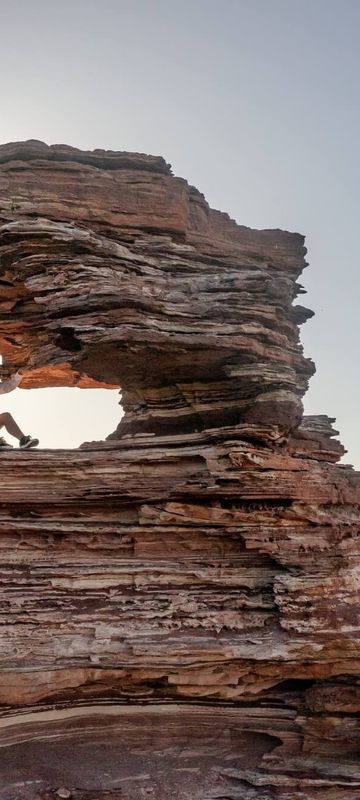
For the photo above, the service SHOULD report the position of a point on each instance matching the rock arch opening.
(65, 412)
(64, 418)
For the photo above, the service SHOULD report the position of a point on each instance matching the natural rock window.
(64, 417)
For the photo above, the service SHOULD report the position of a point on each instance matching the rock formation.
(179, 609)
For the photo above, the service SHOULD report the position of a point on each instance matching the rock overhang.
(123, 275)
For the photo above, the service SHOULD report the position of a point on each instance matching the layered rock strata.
(179, 610)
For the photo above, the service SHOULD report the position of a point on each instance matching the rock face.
(179, 610)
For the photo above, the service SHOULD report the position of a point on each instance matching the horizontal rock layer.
(179, 604)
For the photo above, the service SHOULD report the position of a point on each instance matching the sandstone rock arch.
(187, 589)
(114, 271)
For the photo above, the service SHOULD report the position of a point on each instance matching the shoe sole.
(33, 443)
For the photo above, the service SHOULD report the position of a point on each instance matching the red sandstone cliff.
(179, 604)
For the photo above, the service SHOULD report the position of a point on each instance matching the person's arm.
(11, 383)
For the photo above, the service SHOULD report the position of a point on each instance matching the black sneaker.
(4, 445)
(27, 441)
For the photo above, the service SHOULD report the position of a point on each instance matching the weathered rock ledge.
(179, 610)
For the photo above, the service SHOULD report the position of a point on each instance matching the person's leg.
(9, 423)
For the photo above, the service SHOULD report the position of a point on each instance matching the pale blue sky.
(256, 102)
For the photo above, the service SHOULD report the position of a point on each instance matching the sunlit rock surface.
(179, 604)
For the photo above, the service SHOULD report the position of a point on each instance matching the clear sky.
(256, 102)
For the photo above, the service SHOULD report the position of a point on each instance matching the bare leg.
(9, 423)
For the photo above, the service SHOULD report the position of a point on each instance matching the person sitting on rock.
(8, 422)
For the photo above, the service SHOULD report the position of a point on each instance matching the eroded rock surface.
(179, 604)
